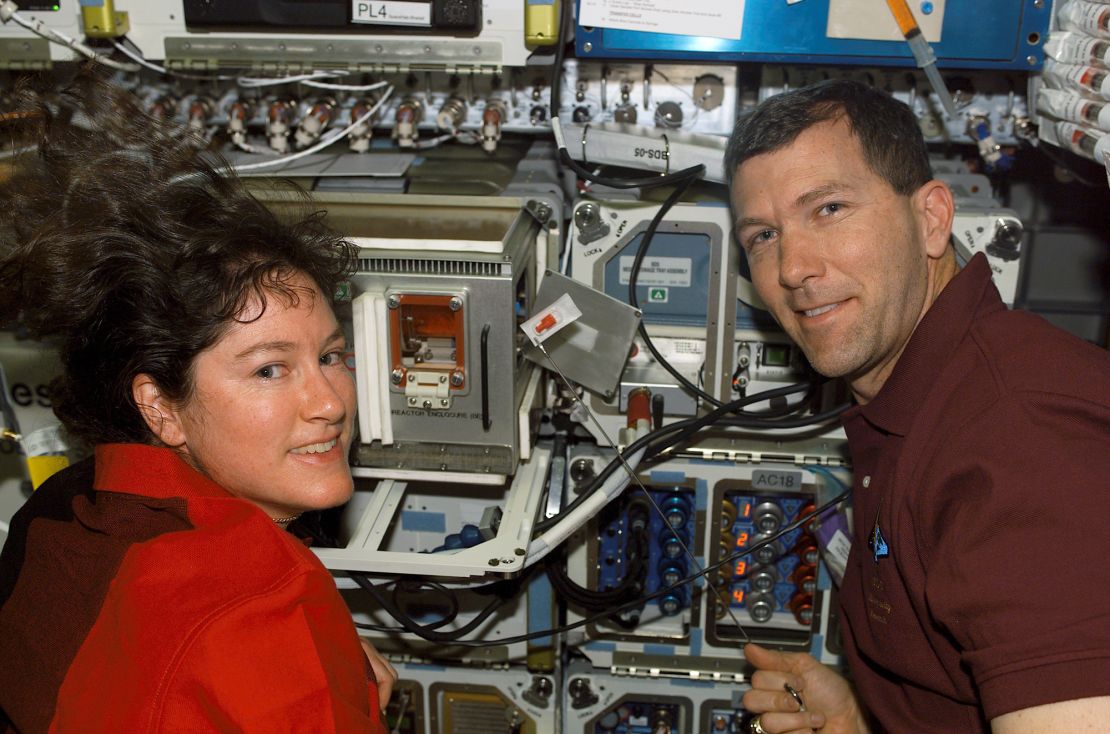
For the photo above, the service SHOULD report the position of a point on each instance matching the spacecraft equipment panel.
(589, 465)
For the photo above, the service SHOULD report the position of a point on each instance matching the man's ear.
(160, 415)
(936, 209)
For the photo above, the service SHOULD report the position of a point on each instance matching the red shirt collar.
(151, 472)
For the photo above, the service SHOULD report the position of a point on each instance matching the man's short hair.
(886, 129)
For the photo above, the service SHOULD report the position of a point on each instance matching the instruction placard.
(714, 18)
(659, 271)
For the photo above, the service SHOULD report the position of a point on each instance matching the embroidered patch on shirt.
(877, 543)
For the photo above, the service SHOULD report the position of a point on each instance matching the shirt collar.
(931, 345)
(150, 471)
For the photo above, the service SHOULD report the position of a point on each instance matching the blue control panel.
(636, 539)
(985, 34)
(776, 581)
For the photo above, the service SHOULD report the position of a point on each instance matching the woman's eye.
(270, 371)
(332, 358)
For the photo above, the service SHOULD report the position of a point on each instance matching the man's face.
(835, 253)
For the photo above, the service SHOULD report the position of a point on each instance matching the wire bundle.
(631, 586)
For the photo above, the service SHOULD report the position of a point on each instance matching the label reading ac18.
(392, 12)
(765, 479)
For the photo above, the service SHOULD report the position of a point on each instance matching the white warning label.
(392, 12)
(665, 271)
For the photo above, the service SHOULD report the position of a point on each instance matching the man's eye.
(764, 235)
(831, 208)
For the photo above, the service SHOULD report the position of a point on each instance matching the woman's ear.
(159, 413)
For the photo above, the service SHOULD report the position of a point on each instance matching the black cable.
(719, 414)
(828, 415)
(755, 423)
(555, 104)
(663, 440)
(427, 632)
(484, 353)
(407, 586)
(692, 424)
(774, 412)
(555, 101)
(631, 586)
(799, 522)
(548, 523)
(595, 599)
(633, 301)
(649, 182)
(680, 179)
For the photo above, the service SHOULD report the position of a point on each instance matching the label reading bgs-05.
(392, 12)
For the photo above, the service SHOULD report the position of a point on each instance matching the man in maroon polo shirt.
(975, 597)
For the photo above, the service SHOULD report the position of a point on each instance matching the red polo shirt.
(984, 462)
(147, 599)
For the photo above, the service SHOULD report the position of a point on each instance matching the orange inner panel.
(426, 334)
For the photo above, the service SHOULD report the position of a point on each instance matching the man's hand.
(383, 671)
(831, 707)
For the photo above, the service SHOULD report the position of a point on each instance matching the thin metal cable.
(651, 500)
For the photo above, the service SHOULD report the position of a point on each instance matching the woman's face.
(271, 415)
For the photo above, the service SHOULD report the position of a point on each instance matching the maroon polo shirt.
(984, 463)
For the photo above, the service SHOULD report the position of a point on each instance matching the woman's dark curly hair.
(125, 246)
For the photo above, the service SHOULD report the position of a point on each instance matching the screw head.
(456, 378)
(443, 378)
(541, 210)
(587, 215)
(427, 405)
(587, 47)
(455, 304)
(397, 375)
(581, 469)
(393, 302)
(542, 686)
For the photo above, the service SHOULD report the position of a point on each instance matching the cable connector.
(7, 10)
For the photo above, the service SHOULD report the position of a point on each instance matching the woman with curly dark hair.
(153, 587)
